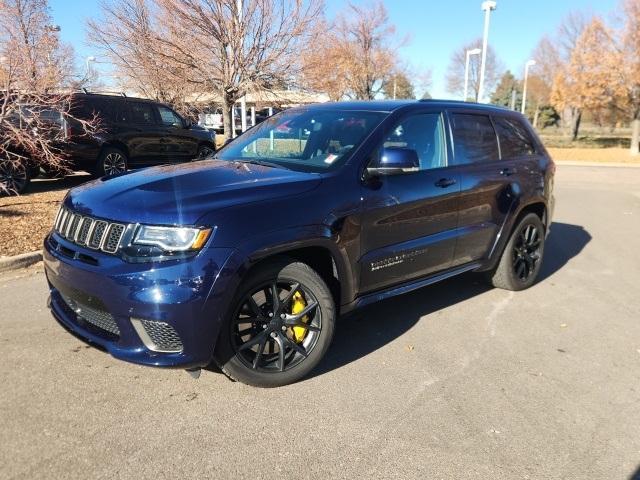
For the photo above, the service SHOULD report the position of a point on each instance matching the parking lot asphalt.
(452, 381)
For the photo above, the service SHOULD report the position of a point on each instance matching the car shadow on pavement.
(565, 241)
(365, 331)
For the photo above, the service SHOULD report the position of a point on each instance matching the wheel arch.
(321, 254)
(537, 206)
(114, 144)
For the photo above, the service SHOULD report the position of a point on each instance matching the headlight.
(172, 239)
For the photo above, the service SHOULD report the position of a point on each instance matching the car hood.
(181, 194)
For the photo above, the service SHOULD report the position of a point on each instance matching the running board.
(409, 287)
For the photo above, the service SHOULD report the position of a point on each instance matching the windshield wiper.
(261, 162)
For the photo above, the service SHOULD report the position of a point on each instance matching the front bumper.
(189, 295)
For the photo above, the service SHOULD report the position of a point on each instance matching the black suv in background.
(132, 133)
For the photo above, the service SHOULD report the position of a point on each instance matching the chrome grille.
(157, 336)
(88, 231)
(96, 317)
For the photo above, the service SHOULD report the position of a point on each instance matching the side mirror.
(394, 161)
(188, 123)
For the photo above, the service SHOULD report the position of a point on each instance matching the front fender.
(280, 242)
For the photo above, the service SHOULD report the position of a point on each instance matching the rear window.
(474, 139)
(515, 140)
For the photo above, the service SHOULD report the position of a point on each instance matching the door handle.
(507, 172)
(445, 182)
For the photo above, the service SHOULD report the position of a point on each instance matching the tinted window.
(169, 117)
(474, 139)
(423, 133)
(515, 140)
(104, 109)
(142, 113)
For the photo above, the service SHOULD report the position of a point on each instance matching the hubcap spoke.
(280, 343)
(296, 347)
(308, 309)
(253, 341)
(292, 292)
(256, 360)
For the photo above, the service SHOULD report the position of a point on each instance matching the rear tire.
(521, 258)
(253, 336)
(111, 162)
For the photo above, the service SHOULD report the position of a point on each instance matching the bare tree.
(455, 72)
(355, 56)
(34, 69)
(226, 46)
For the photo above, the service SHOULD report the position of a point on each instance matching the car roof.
(113, 97)
(389, 106)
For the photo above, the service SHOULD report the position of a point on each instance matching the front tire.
(14, 178)
(270, 343)
(521, 259)
(111, 162)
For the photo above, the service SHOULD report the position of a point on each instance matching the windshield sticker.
(330, 158)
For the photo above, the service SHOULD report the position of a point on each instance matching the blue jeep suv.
(247, 258)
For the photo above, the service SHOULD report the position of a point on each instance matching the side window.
(169, 117)
(515, 140)
(474, 139)
(423, 133)
(142, 113)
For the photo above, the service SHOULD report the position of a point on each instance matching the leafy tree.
(585, 82)
(503, 94)
(398, 86)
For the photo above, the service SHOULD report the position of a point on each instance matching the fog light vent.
(157, 336)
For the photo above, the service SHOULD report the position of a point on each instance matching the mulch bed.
(24, 221)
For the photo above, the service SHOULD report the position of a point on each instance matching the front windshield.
(306, 140)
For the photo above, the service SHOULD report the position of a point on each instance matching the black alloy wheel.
(526, 252)
(279, 326)
(265, 331)
(521, 258)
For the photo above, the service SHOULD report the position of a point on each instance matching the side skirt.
(407, 287)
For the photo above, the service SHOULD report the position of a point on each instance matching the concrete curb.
(572, 163)
(20, 261)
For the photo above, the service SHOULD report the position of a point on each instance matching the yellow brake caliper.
(297, 305)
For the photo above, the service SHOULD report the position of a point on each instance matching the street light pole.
(487, 7)
(529, 64)
(87, 61)
(474, 51)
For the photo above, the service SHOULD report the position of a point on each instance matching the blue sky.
(435, 28)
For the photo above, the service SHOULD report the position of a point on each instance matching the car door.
(485, 193)
(143, 135)
(178, 143)
(409, 220)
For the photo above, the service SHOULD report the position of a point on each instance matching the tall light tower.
(475, 51)
(528, 65)
(487, 7)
